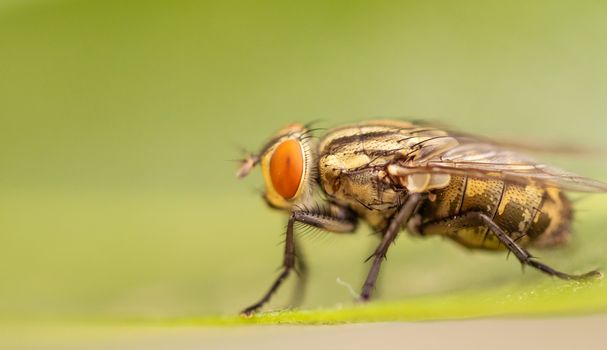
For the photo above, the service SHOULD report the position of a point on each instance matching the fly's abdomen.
(551, 225)
(464, 194)
(528, 214)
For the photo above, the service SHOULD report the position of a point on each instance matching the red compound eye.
(286, 168)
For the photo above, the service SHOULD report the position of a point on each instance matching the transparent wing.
(560, 147)
(486, 160)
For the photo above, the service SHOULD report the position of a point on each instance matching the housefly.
(395, 175)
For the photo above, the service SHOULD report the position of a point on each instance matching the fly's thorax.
(353, 133)
(386, 146)
(348, 179)
(355, 162)
(382, 138)
(288, 164)
(363, 191)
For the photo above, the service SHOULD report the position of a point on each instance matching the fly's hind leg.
(523, 255)
(478, 218)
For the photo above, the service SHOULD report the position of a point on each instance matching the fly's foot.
(363, 298)
(248, 312)
(591, 275)
(365, 295)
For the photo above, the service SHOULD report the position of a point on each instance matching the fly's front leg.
(301, 268)
(339, 221)
(401, 217)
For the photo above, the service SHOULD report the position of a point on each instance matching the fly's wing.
(485, 160)
(569, 149)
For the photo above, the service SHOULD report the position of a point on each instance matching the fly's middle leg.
(401, 217)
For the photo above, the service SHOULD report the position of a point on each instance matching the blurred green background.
(119, 122)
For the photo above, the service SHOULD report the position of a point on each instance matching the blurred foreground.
(552, 334)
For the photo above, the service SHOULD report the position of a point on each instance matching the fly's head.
(288, 164)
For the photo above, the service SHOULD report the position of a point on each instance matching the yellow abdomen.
(530, 215)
